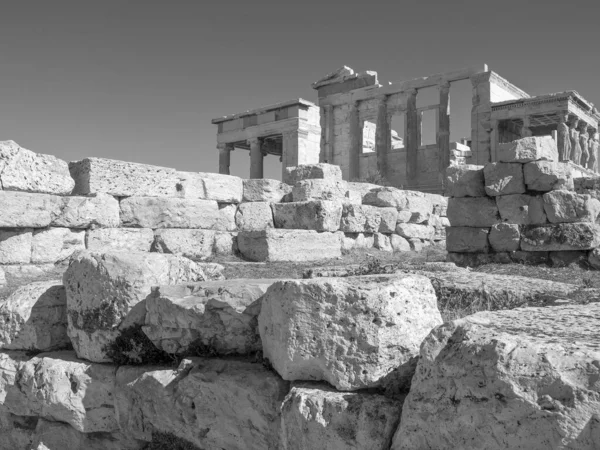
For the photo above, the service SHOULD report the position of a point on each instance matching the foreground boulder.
(103, 288)
(349, 332)
(524, 150)
(525, 378)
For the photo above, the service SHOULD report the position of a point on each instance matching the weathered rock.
(364, 241)
(211, 403)
(23, 210)
(100, 210)
(545, 176)
(34, 317)
(153, 212)
(399, 244)
(418, 203)
(191, 243)
(503, 179)
(19, 274)
(528, 149)
(24, 170)
(472, 212)
(254, 216)
(314, 215)
(360, 219)
(522, 209)
(505, 237)
(15, 246)
(316, 416)
(225, 221)
(478, 259)
(524, 378)
(362, 188)
(50, 245)
(567, 258)
(532, 258)
(264, 190)
(220, 316)
(311, 171)
(320, 189)
(594, 258)
(288, 245)
(122, 239)
(567, 206)
(403, 216)
(389, 219)
(382, 242)
(103, 288)
(211, 186)
(560, 237)
(225, 243)
(465, 181)
(415, 230)
(373, 324)
(467, 239)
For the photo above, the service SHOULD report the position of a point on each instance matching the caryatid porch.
(289, 130)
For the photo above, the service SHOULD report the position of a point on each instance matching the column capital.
(412, 91)
(444, 85)
(253, 141)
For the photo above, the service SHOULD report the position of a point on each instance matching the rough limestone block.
(523, 378)
(362, 188)
(382, 242)
(23, 210)
(220, 315)
(24, 170)
(311, 171)
(225, 243)
(399, 244)
(390, 316)
(465, 181)
(288, 245)
(320, 189)
(254, 216)
(567, 258)
(103, 289)
(59, 387)
(264, 190)
(418, 203)
(122, 239)
(567, 206)
(100, 210)
(389, 219)
(473, 212)
(347, 240)
(123, 179)
(505, 237)
(314, 415)
(15, 246)
(51, 245)
(503, 179)
(211, 186)
(360, 219)
(364, 241)
(522, 209)
(404, 216)
(415, 230)
(560, 237)
(34, 317)
(467, 240)
(528, 149)
(319, 215)
(195, 244)
(152, 212)
(211, 403)
(545, 176)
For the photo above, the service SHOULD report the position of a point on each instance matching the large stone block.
(194, 244)
(473, 212)
(288, 245)
(100, 210)
(121, 239)
(382, 242)
(34, 317)
(15, 246)
(319, 215)
(528, 149)
(415, 230)
(545, 176)
(211, 403)
(523, 378)
(465, 181)
(264, 190)
(389, 219)
(311, 171)
(218, 315)
(254, 216)
(51, 245)
(505, 237)
(362, 188)
(152, 212)
(560, 237)
(225, 243)
(320, 189)
(418, 203)
(360, 219)
(503, 179)
(24, 170)
(567, 206)
(522, 209)
(23, 210)
(399, 244)
(211, 186)
(307, 334)
(467, 239)
(314, 416)
(103, 289)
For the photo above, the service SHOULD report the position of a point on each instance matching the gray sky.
(140, 80)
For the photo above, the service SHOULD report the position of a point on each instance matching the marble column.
(382, 136)
(224, 157)
(355, 143)
(526, 130)
(412, 137)
(443, 132)
(256, 158)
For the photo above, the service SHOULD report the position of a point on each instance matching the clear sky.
(140, 80)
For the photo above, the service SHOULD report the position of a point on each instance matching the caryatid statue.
(563, 138)
(575, 145)
(593, 146)
(583, 143)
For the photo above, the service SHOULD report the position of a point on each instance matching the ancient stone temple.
(401, 132)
